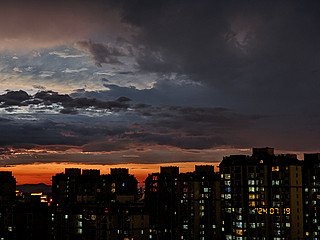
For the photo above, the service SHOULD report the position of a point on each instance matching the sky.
(140, 83)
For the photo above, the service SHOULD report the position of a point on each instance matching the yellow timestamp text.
(272, 211)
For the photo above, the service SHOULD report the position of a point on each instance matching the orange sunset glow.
(42, 173)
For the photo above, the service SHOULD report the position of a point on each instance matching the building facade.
(183, 205)
(311, 200)
(87, 205)
(261, 196)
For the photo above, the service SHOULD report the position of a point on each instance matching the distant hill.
(31, 188)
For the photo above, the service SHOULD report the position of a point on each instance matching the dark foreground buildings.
(91, 206)
(262, 196)
(183, 205)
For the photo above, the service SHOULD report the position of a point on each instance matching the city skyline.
(105, 84)
(258, 196)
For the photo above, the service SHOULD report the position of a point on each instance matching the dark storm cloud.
(254, 57)
(164, 92)
(68, 111)
(100, 53)
(191, 128)
(42, 133)
(260, 55)
(63, 135)
(138, 127)
(4, 119)
(48, 98)
(221, 41)
(14, 98)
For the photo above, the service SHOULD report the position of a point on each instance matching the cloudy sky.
(149, 82)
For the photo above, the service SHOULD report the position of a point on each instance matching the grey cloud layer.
(254, 57)
(264, 54)
(124, 126)
(47, 98)
(104, 53)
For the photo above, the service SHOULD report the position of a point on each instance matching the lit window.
(65, 216)
(252, 211)
(275, 169)
(252, 196)
(239, 224)
(227, 176)
(252, 225)
(251, 182)
(275, 182)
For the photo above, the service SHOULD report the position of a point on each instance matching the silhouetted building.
(21, 216)
(261, 196)
(7, 187)
(92, 206)
(182, 206)
(311, 201)
(7, 205)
